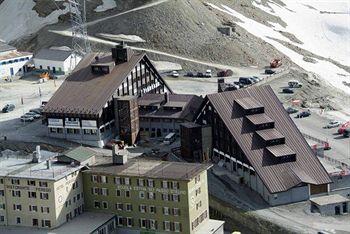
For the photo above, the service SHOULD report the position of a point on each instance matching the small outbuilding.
(56, 61)
(330, 205)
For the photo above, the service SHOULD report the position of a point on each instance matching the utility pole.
(80, 43)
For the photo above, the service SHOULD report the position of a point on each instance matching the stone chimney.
(121, 53)
(119, 157)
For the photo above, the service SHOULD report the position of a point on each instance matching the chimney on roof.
(48, 164)
(36, 155)
(119, 157)
(121, 53)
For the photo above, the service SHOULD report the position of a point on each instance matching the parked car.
(333, 124)
(208, 73)
(254, 79)
(245, 80)
(34, 115)
(190, 74)
(269, 71)
(303, 114)
(294, 84)
(291, 110)
(239, 84)
(287, 90)
(7, 108)
(230, 87)
(346, 132)
(200, 74)
(174, 74)
(258, 78)
(27, 118)
(36, 110)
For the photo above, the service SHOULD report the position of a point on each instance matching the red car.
(342, 128)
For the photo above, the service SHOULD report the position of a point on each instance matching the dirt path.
(237, 70)
(126, 12)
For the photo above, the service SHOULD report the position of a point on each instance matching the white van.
(208, 73)
(170, 138)
(294, 84)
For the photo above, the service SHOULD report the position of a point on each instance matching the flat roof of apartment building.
(87, 222)
(48, 168)
(149, 168)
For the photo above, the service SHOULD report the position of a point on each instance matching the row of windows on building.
(141, 208)
(49, 68)
(35, 222)
(199, 219)
(75, 199)
(165, 130)
(142, 194)
(29, 182)
(73, 131)
(14, 61)
(77, 211)
(140, 182)
(31, 208)
(31, 194)
(149, 224)
(165, 120)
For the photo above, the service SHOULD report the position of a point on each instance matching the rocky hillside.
(181, 27)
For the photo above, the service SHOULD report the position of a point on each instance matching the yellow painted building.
(150, 196)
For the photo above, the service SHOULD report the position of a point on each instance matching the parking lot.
(25, 94)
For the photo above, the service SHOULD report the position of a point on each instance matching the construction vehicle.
(343, 127)
(275, 63)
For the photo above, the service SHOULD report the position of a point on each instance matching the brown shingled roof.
(276, 177)
(86, 93)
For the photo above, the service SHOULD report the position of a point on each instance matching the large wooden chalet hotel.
(255, 139)
(99, 99)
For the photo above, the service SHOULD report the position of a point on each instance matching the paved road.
(313, 126)
(240, 71)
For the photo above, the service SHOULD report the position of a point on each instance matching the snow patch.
(23, 19)
(121, 37)
(326, 70)
(106, 5)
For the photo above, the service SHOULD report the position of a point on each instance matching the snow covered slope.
(17, 19)
(322, 27)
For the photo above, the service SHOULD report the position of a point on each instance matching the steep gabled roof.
(277, 177)
(86, 93)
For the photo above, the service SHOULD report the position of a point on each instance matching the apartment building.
(149, 196)
(85, 107)
(44, 190)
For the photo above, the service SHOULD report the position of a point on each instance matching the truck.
(344, 126)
